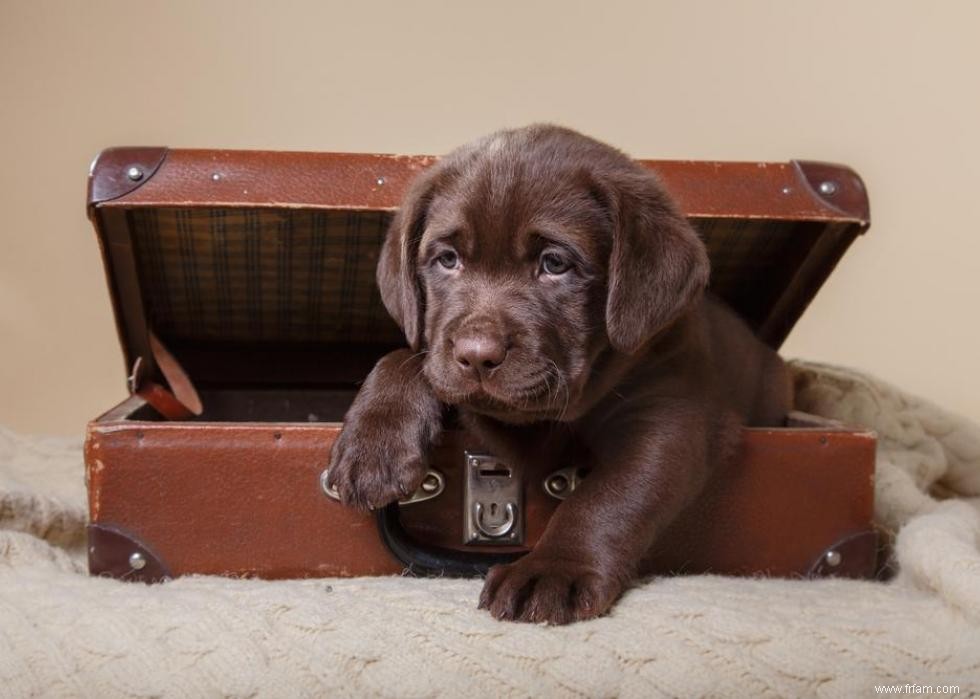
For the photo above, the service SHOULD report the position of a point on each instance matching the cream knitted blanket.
(64, 634)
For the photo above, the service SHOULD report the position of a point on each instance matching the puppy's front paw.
(550, 590)
(376, 461)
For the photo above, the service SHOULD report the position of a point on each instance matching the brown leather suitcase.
(244, 295)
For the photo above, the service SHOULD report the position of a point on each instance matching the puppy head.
(518, 259)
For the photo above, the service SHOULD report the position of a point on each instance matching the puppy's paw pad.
(551, 591)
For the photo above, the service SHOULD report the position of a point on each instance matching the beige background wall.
(891, 88)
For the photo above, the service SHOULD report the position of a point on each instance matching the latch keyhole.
(494, 501)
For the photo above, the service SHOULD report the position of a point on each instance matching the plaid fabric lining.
(752, 260)
(262, 275)
(307, 277)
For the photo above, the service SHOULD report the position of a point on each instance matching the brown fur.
(620, 363)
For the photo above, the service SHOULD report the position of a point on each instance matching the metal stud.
(215, 176)
(380, 181)
(557, 485)
(833, 558)
(563, 482)
(829, 187)
(134, 173)
(137, 561)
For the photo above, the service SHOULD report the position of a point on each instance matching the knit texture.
(65, 634)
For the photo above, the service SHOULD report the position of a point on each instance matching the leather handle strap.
(421, 559)
(178, 380)
(163, 401)
(181, 400)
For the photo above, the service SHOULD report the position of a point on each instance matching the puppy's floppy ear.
(397, 272)
(657, 265)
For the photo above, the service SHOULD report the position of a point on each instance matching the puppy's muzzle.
(479, 353)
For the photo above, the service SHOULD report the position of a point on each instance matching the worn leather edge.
(850, 195)
(109, 552)
(108, 176)
(370, 181)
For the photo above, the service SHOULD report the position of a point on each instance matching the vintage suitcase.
(244, 295)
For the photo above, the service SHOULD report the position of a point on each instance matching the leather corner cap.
(114, 553)
(854, 556)
(837, 186)
(118, 171)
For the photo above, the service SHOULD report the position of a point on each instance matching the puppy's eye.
(554, 264)
(449, 259)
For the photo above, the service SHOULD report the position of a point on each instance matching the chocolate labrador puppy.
(550, 290)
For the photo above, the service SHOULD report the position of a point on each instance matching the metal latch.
(493, 502)
(432, 486)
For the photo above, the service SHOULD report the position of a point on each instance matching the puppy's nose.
(480, 353)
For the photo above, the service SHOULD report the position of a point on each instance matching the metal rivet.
(829, 187)
(475, 463)
(134, 173)
(557, 484)
(215, 176)
(380, 181)
(787, 190)
(430, 484)
(137, 561)
(833, 558)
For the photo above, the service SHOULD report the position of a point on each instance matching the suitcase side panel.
(791, 496)
(235, 499)
(245, 499)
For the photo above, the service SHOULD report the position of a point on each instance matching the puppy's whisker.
(547, 383)
(410, 358)
(562, 386)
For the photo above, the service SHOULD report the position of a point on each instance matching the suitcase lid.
(257, 268)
